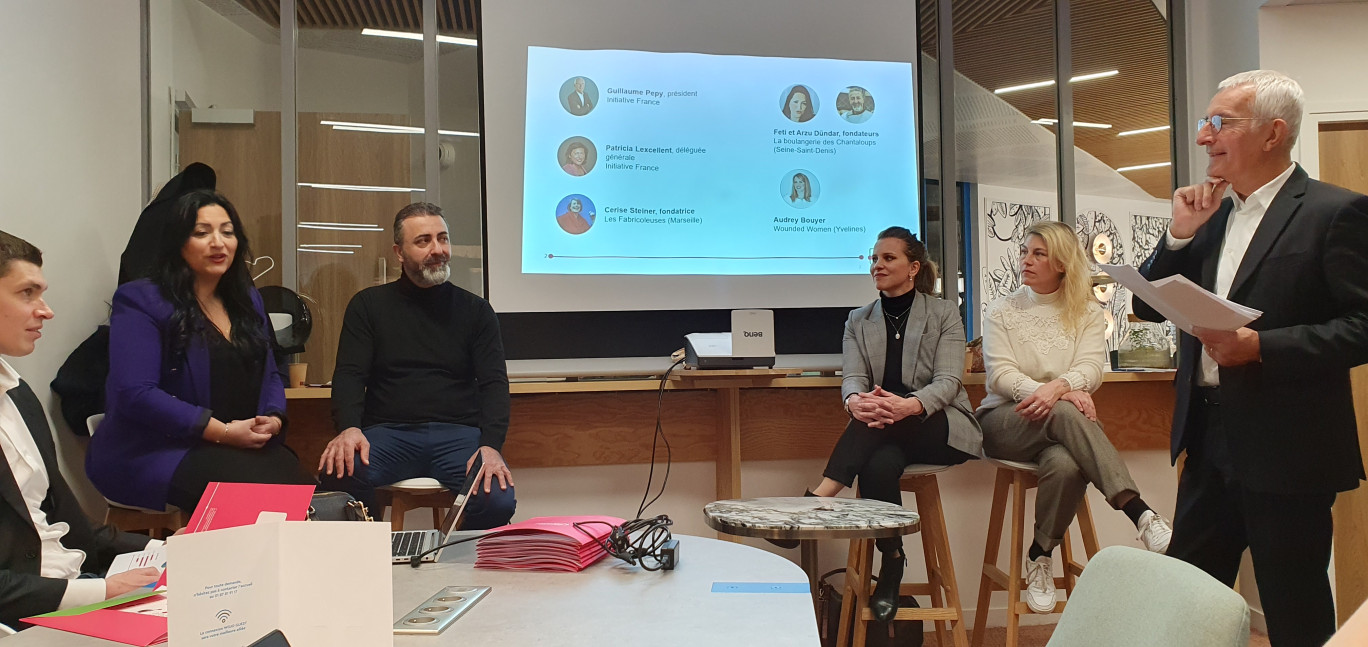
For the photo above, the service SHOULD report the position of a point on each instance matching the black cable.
(658, 436)
(416, 560)
(637, 542)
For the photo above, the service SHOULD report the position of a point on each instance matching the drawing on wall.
(1005, 228)
(1146, 232)
(1102, 244)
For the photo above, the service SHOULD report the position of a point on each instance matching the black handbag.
(337, 506)
(899, 633)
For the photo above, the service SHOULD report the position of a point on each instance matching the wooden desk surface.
(562, 422)
(694, 379)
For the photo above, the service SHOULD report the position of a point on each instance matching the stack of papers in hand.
(546, 544)
(1183, 302)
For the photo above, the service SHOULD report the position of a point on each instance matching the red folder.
(229, 505)
(568, 544)
(125, 627)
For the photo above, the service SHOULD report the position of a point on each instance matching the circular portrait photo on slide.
(577, 156)
(799, 188)
(855, 104)
(799, 104)
(575, 214)
(579, 95)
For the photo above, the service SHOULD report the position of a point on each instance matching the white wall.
(1322, 47)
(70, 169)
(1222, 39)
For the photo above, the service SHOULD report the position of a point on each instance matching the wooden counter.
(761, 414)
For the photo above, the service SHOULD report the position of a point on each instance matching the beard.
(430, 275)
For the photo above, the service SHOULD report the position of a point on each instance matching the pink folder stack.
(567, 544)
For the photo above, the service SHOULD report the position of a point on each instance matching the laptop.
(404, 544)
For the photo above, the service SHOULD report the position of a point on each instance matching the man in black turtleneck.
(420, 384)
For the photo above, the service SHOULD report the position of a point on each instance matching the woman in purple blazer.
(193, 395)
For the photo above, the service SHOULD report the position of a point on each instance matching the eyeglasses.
(1217, 120)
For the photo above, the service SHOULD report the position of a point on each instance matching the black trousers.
(878, 456)
(1288, 536)
(209, 462)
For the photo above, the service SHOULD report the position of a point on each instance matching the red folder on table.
(127, 627)
(568, 544)
(229, 505)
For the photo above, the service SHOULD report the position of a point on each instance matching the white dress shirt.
(1240, 227)
(26, 464)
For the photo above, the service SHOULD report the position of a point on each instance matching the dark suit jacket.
(23, 592)
(577, 107)
(157, 405)
(1289, 418)
(932, 362)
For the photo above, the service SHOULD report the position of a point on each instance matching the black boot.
(883, 602)
(789, 543)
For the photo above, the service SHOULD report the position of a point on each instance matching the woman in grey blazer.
(902, 369)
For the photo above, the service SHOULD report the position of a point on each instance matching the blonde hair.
(1066, 256)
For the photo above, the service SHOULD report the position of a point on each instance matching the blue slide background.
(733, 187)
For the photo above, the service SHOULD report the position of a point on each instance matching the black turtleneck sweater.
(410, 355)
(901, 306)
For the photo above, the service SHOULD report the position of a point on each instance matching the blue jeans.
(432, 449)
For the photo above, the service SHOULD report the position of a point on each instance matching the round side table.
(809, 519)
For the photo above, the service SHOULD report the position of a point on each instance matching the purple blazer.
(156, 410)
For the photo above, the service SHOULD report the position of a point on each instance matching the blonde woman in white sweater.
(1044, 348)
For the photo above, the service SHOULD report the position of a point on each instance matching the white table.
(608, 603)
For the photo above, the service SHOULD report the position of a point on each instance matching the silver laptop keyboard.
(407, 543)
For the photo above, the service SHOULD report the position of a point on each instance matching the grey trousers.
(1071, 450)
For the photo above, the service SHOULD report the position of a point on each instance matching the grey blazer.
(933, 362)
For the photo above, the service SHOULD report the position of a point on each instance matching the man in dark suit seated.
(1265, 412)
(47, 546)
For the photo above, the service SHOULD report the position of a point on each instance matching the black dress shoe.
(883, 602)
(789, 543)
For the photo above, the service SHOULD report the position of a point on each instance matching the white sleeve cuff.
(81, 592)
(1175, 244)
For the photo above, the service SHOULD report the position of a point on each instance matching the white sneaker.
(1040, 587)
(1155, 532)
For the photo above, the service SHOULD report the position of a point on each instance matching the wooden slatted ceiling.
(999, 43)
(453, 16)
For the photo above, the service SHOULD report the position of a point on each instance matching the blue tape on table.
(760, 587)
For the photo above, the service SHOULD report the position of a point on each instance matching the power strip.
(434, 616)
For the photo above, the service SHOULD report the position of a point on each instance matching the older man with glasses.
(1265, 412)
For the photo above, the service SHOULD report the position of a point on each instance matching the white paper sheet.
(1183, 302)
(153, 557)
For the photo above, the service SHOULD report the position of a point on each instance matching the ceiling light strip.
(388, 128)
(1077, 125)
(331, 245)
(1044, 84)
(324, 251)
(1141, 131)
(408, 35)
(1140, 167)
(360, 187)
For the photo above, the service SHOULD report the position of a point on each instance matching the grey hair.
(412, 211)
(1276, 96)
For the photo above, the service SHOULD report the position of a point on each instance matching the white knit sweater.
(1026, 345)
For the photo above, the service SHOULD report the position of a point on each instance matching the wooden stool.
(155, 523)
(411, 494)
(940, 570)
(1015, 478)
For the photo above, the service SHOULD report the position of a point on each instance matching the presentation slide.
(651, 163)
